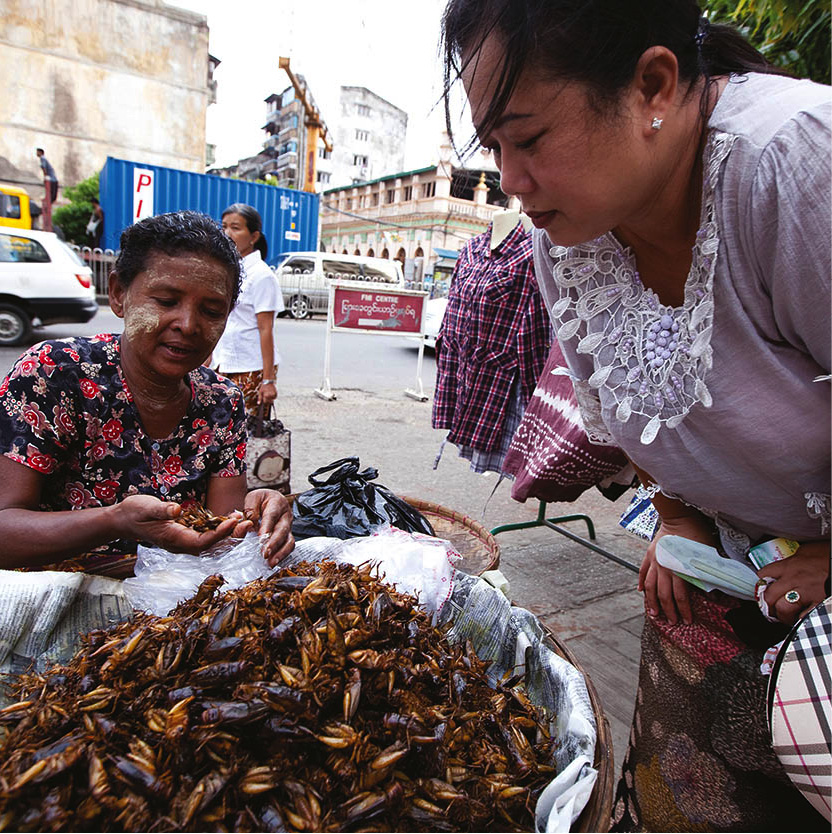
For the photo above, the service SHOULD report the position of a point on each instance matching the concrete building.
(420, 217)
(369, 137)
(84, 80)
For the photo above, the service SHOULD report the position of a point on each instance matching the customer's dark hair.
(254, 223)
(596, 42)
(173, 234)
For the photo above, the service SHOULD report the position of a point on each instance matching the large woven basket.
(597, 815)
(478, 548)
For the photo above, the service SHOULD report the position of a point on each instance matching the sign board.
(383, 310)
(390, 312)
(142, 193)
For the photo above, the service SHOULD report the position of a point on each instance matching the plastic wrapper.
(348, 504)
(162, 579)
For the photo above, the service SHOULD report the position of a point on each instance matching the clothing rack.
(554, 524)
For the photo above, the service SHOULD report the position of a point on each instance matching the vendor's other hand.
(665, 593)
(269, 513)
(805, 572)
(148, 519)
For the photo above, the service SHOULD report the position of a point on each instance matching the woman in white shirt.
(246, 352)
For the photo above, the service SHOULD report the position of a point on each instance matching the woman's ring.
(792, 596)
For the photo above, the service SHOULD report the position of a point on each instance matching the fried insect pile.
(318, 699)
(199, 518)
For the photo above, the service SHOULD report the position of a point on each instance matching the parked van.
(304, 277)
(42, 281)
(15, 209)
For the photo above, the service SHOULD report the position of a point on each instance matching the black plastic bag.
(347, 504)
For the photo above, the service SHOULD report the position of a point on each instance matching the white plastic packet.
(414, 563)
(163, 579)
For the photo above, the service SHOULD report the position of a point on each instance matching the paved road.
(358, 362)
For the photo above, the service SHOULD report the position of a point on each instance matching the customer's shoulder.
(757, 107)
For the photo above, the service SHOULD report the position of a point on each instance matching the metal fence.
(100, 261)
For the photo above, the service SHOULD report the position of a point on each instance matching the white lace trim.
(652, 358)
(818, 506)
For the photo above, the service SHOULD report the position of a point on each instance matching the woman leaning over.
(104, 439)
(681, 194)
(246, 353)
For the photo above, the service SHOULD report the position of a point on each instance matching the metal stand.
(418, 393)
(552, 524)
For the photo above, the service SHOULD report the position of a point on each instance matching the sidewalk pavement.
(588, 601)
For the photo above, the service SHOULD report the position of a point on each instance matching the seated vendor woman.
(104, 440)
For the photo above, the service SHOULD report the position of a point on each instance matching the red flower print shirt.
(66, 411)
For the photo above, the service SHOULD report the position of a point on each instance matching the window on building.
(348, 203)
(360, 159)
(374, 198)
(429, 189)
(323, 153)
(407, 194)
(363, 110)
(391, 195)
(362, 135)
(324, 176)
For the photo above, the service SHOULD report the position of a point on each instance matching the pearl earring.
(656, 124)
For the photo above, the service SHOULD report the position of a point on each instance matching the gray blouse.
(719, 398)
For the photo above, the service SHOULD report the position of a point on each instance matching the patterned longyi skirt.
(700, 755)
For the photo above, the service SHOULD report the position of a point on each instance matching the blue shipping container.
(128, 189)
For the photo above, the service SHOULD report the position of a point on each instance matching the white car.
(42, 281)
(434, 313)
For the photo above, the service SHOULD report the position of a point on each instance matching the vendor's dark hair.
(173, 234)
(254, 223)
(596, 42)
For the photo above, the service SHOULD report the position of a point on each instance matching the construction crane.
(315, 128)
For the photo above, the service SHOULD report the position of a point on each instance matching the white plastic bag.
(163, 579)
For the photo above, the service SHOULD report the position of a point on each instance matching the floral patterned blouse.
(66, 411)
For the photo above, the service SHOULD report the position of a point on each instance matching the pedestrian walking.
(50, 189)
(95, 225)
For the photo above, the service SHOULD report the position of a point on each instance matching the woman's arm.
(267, 393)
(663, 590)
(33, 537)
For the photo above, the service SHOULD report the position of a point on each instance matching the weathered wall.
(85, 79)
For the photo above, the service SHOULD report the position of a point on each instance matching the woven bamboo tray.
(478, 548)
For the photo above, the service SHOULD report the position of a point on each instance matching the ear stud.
(656, 124)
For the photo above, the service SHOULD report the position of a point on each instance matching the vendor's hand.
(267, 393)
(148, 519)
(805, 572)
(664, 592)
(271, 516)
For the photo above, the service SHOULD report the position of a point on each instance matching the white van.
(304, 277)
(42, 281)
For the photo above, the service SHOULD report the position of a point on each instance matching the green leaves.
(73, 218)
(792, 34)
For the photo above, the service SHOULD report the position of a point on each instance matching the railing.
(100, 261)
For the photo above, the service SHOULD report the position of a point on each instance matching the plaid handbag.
(268, 452)
(799, 713)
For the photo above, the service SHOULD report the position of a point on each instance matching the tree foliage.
(792, 34)
(73, 218)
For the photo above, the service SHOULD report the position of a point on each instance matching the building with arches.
(419, 217)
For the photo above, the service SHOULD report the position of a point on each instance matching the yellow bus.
(14, 207)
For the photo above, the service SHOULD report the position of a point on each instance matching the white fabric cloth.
(238, 350)
(716, 398)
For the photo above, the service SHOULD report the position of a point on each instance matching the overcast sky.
(388, 46)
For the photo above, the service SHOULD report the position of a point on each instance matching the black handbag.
(268, 451)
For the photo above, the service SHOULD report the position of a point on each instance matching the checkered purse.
(799, 713)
